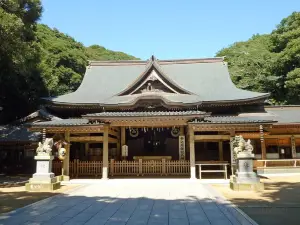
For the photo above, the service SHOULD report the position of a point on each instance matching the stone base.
(247, 187)
(248, 177)
(63, 178)
(41, 187)
(45, 178)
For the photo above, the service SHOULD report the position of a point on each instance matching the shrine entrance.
(156, 142)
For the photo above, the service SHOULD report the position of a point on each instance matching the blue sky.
(168, 29)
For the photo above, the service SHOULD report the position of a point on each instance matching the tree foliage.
(63, 59)
(96, 52)
(269, 63)
(20, 81)
(37, 61)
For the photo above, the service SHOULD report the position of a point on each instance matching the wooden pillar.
(66, 161)
(86, 150)
(181, 145)
(262, 142)
(192, 152)
(221, 150)
(232, 157)
(293, 147)
(105, 153)
(123, 139)
(181, 130)
(123, 136)
(118, 153)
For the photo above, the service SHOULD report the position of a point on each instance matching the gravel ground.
(278, 204)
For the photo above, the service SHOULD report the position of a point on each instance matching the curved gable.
(153, 79)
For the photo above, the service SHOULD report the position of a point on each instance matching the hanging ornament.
(62, 153)
(175, 132)
(134, 132)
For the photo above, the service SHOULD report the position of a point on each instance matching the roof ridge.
(164, 61)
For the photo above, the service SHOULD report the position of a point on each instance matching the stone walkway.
(132, 202)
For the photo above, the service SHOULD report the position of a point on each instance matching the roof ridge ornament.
(153, 58)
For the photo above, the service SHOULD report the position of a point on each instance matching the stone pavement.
(132, 202)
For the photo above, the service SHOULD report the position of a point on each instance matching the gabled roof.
(40, 115)
(200, 80)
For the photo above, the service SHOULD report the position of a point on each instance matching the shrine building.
(165, 117)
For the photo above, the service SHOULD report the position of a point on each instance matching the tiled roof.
(207, 80)
(146, 114)
(43, 113)
(284, 114)
(18, 133)
(63, 122)
(232, 120)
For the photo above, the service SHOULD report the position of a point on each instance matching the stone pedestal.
(63, 178)
(245, 179)
(43, 179)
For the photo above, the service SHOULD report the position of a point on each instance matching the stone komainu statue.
(45, 148)
(240, 145)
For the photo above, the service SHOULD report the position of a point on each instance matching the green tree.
(269, 63)
(96, 52)
(20, 82)
(250, 64)
(63, 60)
(286, 42)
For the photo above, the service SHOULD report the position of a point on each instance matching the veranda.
(177, 160)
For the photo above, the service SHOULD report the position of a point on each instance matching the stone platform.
(132, 202)
(40, 187)
(247, 186)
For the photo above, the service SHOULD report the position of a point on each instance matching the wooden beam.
(113, 132)
(92, 139)
(211, 137)
(248, 135)
(227, 128)
(282, 136)
(149, 123)
(87, 139)
(74, 129)
(112, 140)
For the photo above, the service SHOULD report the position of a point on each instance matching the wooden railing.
(86, 168)
(276, 163)
(179, 167)
(126, 168)
(150, 167)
